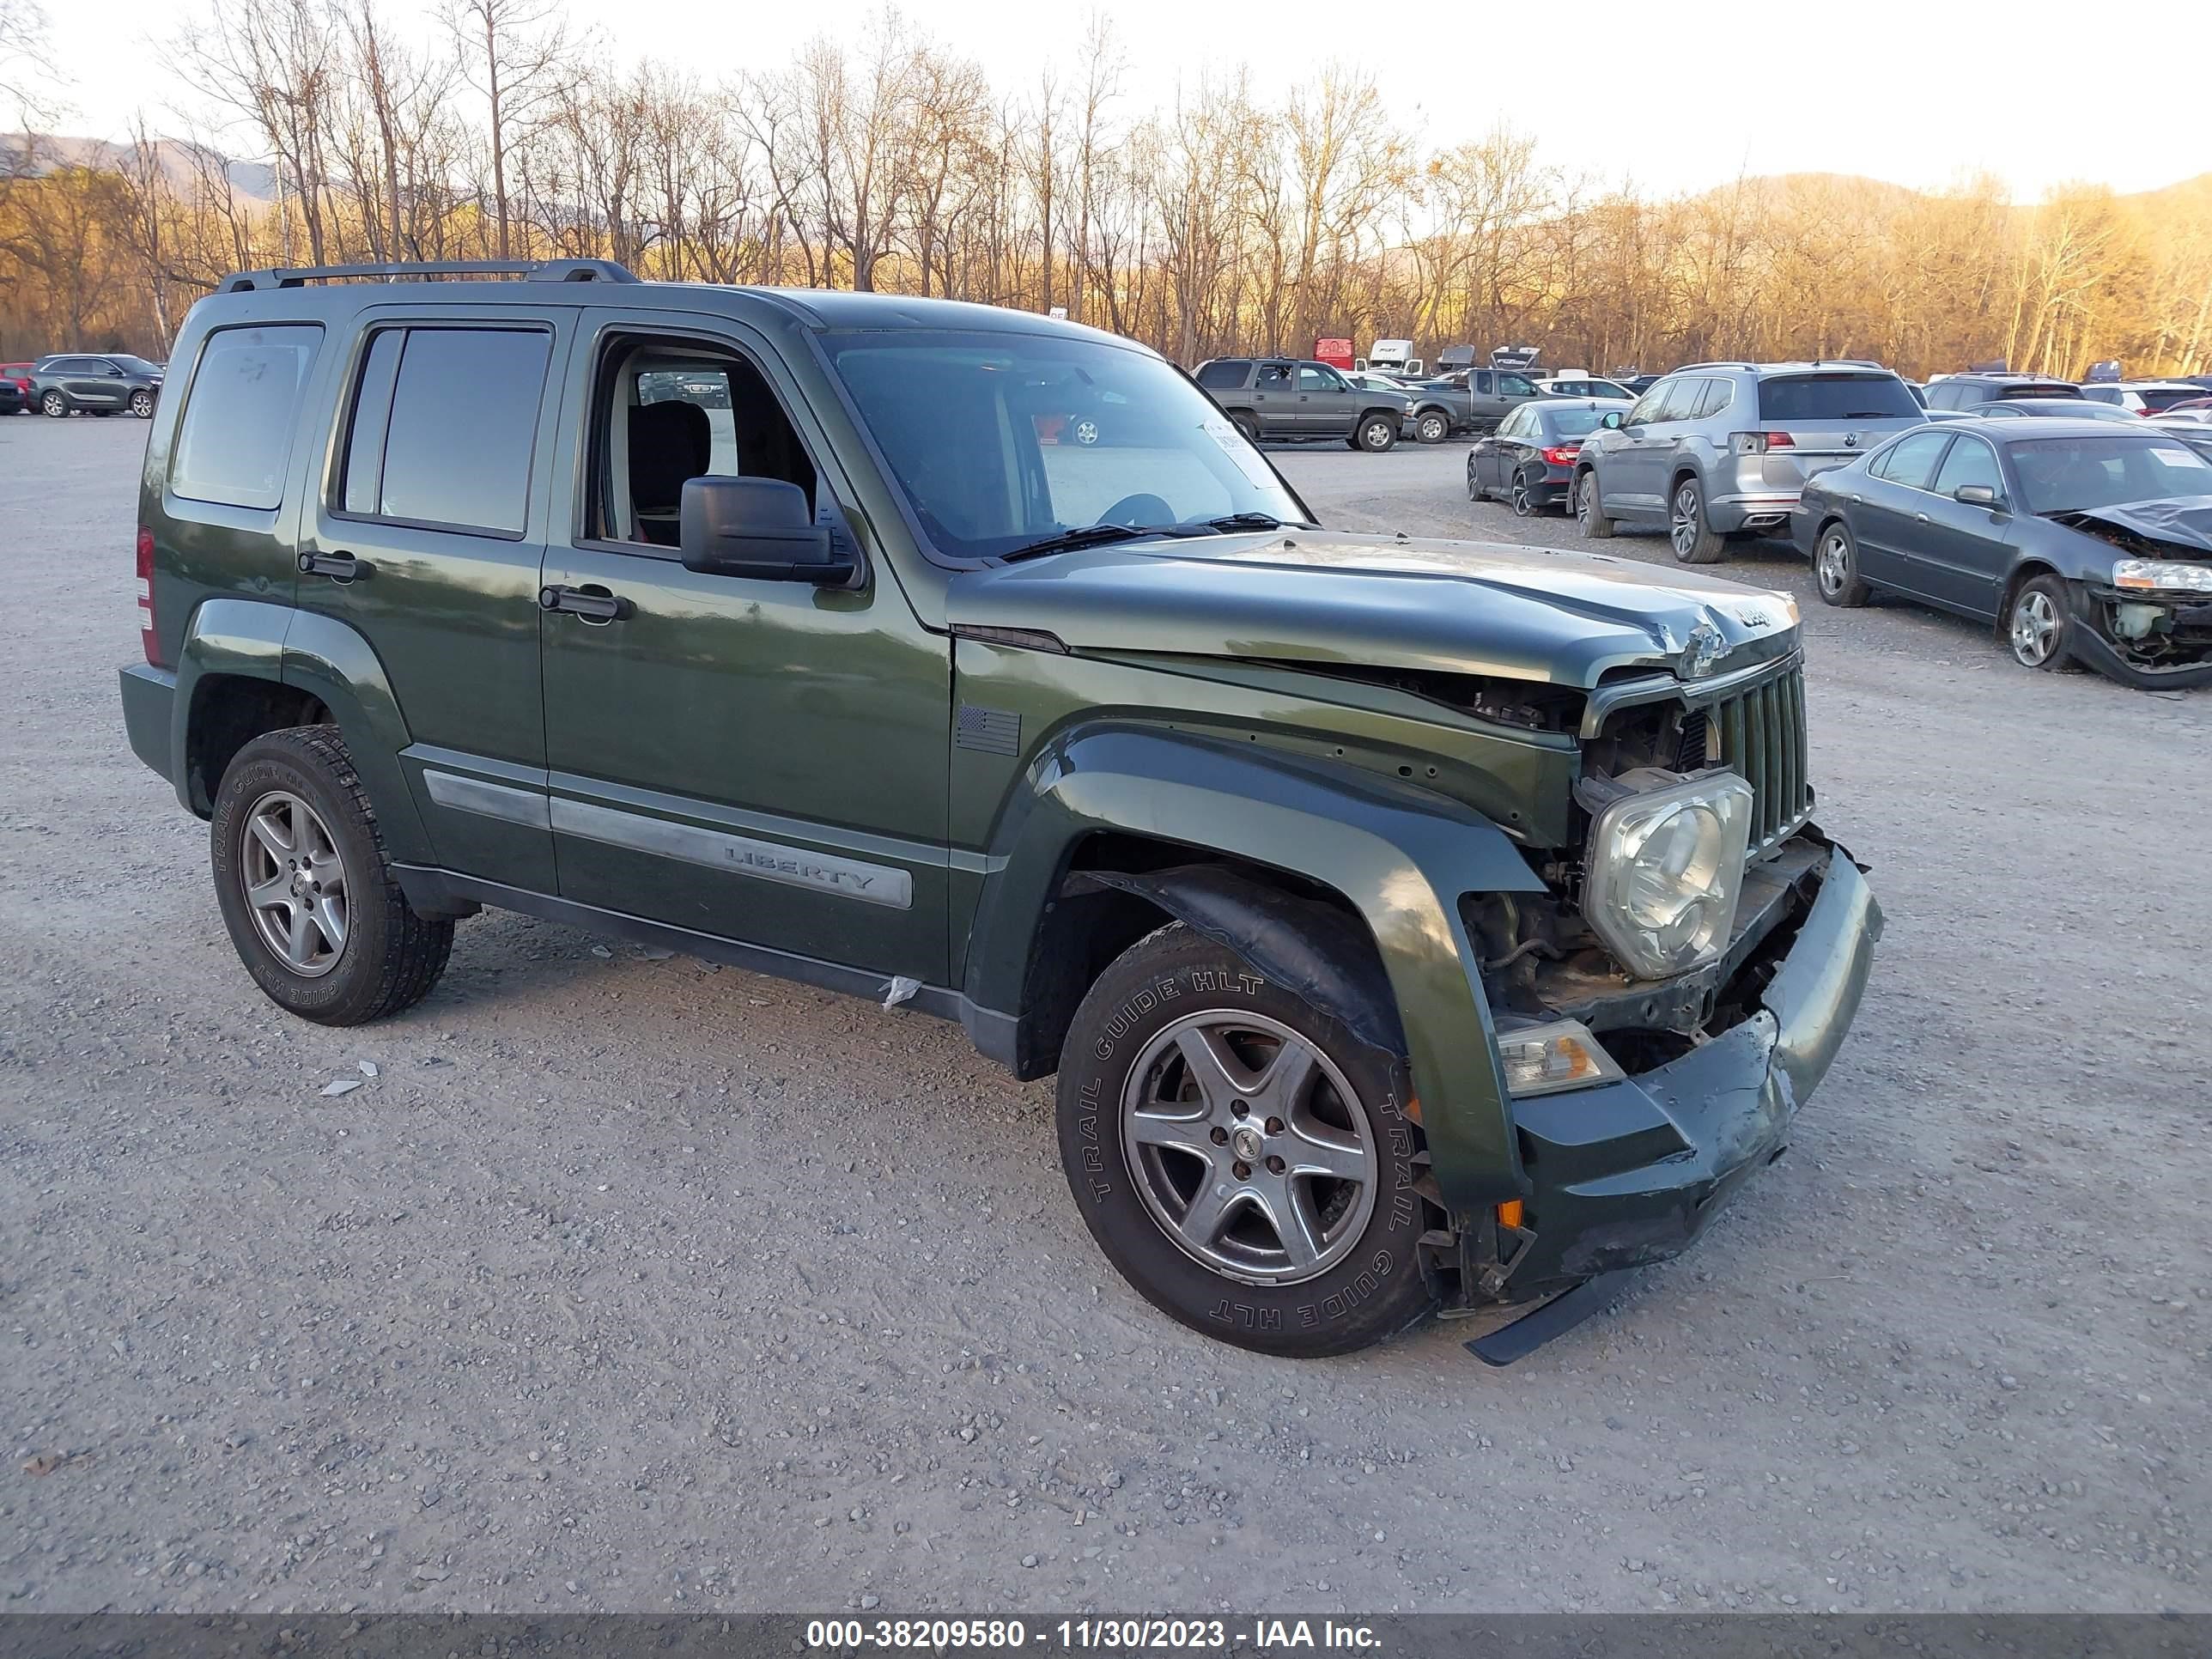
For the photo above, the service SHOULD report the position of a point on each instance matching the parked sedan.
(18, 376)
(12, 401)
(61, 385)
(2083, 541)
(2060, 409)
(1530, 458)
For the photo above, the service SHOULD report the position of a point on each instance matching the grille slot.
(1760, 734)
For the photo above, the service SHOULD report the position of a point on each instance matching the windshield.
(2065, 475)
(1835, 398)
(1001, 440)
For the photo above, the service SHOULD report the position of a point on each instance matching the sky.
(1920, 93)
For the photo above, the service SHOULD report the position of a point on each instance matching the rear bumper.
(1760, 509)
(1630, 1173)
(149, 699)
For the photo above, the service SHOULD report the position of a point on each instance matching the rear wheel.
(1524, 504)
(305, 889)
(1431, 428)
(1589, 517)
(54, 405)
(1694, 541)
(1247, 426)
(1239, 1155)
(1836, 568)
(1376, 433)
(2040, 628)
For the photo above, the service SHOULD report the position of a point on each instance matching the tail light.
(145, 636)
(1564, 455)
(1759, 443)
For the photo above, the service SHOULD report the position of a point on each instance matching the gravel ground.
(627, 1282)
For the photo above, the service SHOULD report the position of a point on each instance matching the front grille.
(1760, 735)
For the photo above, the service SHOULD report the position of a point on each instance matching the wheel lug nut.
(1243, 1170)
(1276, 1166)
(1220, 1135)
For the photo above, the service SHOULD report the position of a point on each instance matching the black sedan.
(2083, 541)
(1529, 458)
(11, 397)
(106, 384)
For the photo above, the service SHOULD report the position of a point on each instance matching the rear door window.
(235, 445)
(443, 427)
(1683, 397)
(1835, 398)
(1911, 461)
(1224, 373)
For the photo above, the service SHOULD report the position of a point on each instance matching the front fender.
(324, 656)
(1399, 855)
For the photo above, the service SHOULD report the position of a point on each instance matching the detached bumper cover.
(1630, 1172)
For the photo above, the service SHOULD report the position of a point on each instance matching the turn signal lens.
(1542, 1059)
(1509, 1214)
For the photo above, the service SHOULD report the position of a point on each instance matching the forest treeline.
(1230, 220)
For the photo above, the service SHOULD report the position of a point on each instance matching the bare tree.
(518, 54)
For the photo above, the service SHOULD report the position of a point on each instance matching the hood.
(2183, 524)
(1325, 597)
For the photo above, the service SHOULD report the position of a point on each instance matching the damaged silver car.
(2082, 541)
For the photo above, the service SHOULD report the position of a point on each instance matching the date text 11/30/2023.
(1089, 1635)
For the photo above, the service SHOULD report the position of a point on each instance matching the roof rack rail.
(535, 271)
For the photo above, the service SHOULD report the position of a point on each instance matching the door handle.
(593, 604)
(1921, 517)
(338, 567)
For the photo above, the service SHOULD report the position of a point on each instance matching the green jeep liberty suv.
(1413, 925)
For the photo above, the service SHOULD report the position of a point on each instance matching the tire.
(1836, 568)
(300, 784)
(1524, 506)
(1354, 1278)
(1590, 519)
(141, 404)
(1375, 434)
(1431, 428)
(1474, 492)
(54, 405)
(2039, 625)
(1694, 540)
(1247, 426)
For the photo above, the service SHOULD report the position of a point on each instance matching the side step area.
(1560, 1315)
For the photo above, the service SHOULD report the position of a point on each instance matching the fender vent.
(988, 730)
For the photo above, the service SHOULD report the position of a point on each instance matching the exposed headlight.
(2162, 573)
(1542, 1059)
(1664, 872)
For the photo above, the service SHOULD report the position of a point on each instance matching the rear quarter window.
(1835, 398)
(235, 443)
(1227, 373)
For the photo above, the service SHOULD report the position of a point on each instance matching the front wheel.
(54, 405)
(1836, 568)
(141, 404)
(305, 889)
(1694, 541)
(2040, 628)
(1589, 515)
(1240, 1157)
(1431, 428)
(1377, 433)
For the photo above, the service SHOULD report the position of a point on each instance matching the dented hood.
(1325, 597)
(2184, 524)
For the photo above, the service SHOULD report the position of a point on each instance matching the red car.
(18, 376)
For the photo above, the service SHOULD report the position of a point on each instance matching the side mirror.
(1611, 421)
(758, 528)
(1976, 495)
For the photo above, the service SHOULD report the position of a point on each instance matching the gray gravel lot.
(629, 1283)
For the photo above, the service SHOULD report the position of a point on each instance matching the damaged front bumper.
(1630, 1173)
(2183, 622)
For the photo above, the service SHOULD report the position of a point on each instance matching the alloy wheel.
(1522, 505)
(1833, 565)
(1682, 525)
(2035, 627)
(1247, 1149)
(142, 403)
(295, 883)
(54, 405)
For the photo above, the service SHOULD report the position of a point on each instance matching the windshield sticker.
(2177, 456)
(1248, 460)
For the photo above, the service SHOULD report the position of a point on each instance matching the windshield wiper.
(1233, 521)
(1089, 535)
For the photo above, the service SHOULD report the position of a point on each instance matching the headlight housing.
(1665, 869)
(2168, 574)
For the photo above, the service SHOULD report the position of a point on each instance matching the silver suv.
(1718, 451)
